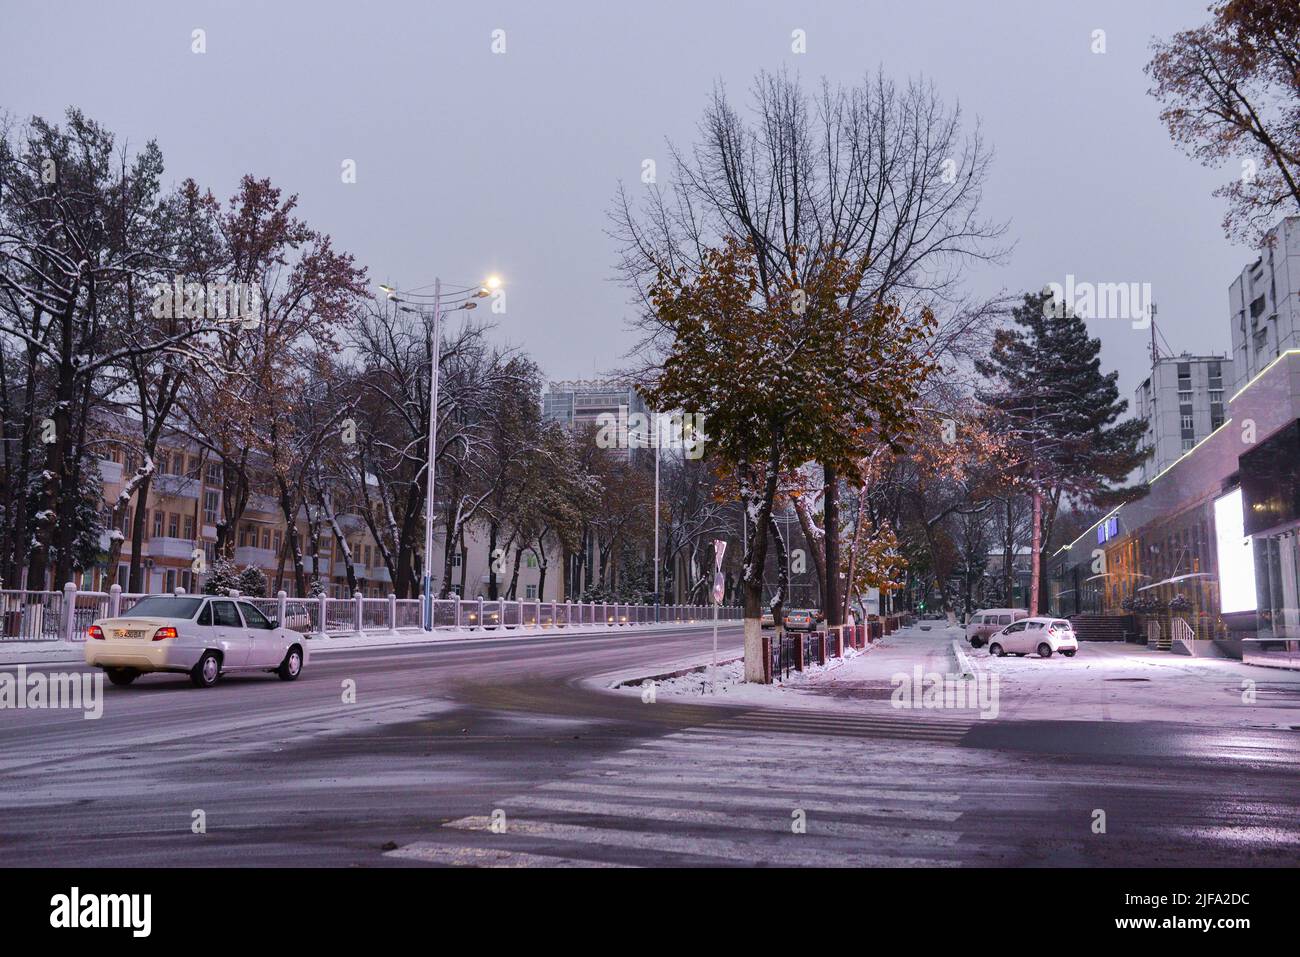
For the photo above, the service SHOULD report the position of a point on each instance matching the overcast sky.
(470, 162)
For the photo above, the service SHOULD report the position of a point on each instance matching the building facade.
(1264, 304)
(1182, 401)
(184, 505)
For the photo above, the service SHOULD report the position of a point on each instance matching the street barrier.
(43, 615)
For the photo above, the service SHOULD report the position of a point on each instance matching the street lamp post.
(427, 582)
(426, 579)
(656, 448)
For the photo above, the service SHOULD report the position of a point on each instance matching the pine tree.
(221, 578)
(1061, 417)
(252, 582)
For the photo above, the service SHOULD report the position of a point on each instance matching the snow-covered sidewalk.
(1106, 681)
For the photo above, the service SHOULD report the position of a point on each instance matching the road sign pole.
(719, 547)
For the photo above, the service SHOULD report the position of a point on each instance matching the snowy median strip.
(965, 669)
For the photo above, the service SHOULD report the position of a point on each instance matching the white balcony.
(257, 557)
(162, 547)
(176, 486)
(264, 504)
(111, 471)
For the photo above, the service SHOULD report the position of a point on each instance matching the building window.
(275, 540)
(266, 538)
(189, 527)
(158, 523)
(530, 592)
(210, 500)
(193, 470)
(173, 525)
(214, 473)
(1187, 422)
(178, 463)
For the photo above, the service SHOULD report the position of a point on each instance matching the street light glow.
(493, 281)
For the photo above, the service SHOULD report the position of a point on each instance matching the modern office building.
(579, 402)
(1182, 401)
(1209, 559)
(1213, 549)
(1264, 303)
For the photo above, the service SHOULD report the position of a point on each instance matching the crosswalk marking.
(794, 796)
(850, 788)
(774, 822)
(462, 856)
(726, 794)
(782, 848)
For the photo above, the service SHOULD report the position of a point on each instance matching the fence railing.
(43, 615)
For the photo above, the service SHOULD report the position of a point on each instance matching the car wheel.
(291, 667)
(975, 642)
(121, 676)
(207, 671)
(996, 650)
(1068, 654)
(1044, 650)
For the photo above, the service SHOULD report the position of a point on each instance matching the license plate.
(129, 634)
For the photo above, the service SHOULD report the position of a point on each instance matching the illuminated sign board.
(1107, 530)
(1236, 557)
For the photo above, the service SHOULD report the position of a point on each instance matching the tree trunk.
(831, 509)
(1033, 553)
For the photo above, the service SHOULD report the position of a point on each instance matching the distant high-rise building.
(1265, 304)
(580, 402)
(1182, 402)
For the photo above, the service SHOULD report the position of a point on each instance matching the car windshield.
(164, 606)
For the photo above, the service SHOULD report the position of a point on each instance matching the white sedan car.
(1044, 636)
(199, 635)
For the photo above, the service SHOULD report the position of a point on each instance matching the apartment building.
(1264, 304)
(1182, 401)
(184, 505)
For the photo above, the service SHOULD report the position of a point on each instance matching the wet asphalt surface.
(501, 752)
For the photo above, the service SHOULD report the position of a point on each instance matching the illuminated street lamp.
(404, 305)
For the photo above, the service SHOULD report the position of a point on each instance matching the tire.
(207, 672)
(291, 667)
(975, 643)
(121, 676)
(996, 650)
(1044, 650)
(1068, 654)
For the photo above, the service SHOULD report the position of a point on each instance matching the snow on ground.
(1105, 681)
(729, 686)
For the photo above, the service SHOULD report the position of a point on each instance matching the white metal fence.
(43, 615)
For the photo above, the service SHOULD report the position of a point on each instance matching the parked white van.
(987, 621)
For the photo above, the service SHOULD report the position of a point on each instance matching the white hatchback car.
(199, 635)
(1045, 636)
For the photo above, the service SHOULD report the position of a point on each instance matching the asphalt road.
(494, 752)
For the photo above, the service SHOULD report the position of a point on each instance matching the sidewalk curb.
(964, 667)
